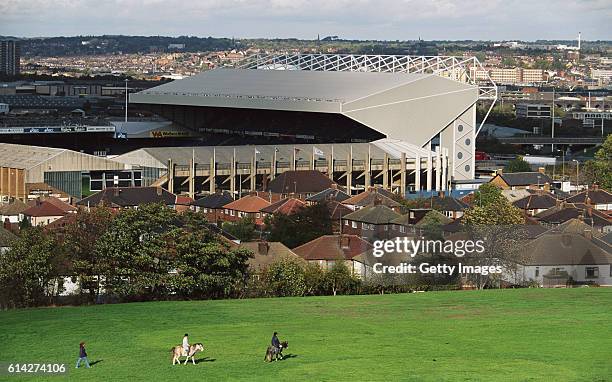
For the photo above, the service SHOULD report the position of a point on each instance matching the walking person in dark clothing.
(82, 356)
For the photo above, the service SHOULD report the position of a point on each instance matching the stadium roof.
(21, 156)
(297, 85)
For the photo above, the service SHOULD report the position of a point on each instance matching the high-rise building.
(10, 53)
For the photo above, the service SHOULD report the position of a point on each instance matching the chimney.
(441, 194)
(377, 201)
(7, 225)
(334, 186)
(500, 171)
(595, 187)
(345, 241)
(588, 234)
(159, 190)
(263, 247)
(116, 191)
(541, 170)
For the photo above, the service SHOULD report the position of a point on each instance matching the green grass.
(497, 335)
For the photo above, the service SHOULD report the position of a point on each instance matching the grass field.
(497, 335)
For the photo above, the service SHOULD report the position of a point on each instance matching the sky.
(526, 20)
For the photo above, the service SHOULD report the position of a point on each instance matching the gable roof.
(273, 251)
(60, 204)
(525, 178)
(44, 208)
(287, 206)
(129, 197)
(536, 201)
(337, 210)
(448, 203)
(596, 196)
(216, 200)
(376, 214)
(331, 193)
(298, 181)
(369, 197)
(249, 203)
(443, 218)
(15, 207)
(330, 247)
(565, 212)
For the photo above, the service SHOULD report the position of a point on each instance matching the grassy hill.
(497, 335)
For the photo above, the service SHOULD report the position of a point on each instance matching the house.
(599, 198)
(329, 249)
(129, 197)
(568, 253)
(534, 180)
(300, 184)
(535, 203)
(12, 212)
(331, 194)
(287, 206)
(367, 198)
(449, 206)
(249, 205)
(266, 253)
(212, 205)
(183, 203)
(336, 211)
(567, 211)
(43, 190)
(43, 212)
(371, 222)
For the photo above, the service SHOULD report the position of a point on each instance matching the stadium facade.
(427, 102)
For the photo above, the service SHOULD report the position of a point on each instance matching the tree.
(500, 213)
(286, 278)
(79, 240)
(339, 278)
(30, 270)
(137, 250)
(517, 165)
(303, 226)
(244, 229)
(431, 225)
(599, 170)
(487, 194)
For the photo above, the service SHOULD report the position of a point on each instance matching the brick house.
(212, 205)
(371, 222)
(250, 205)
(534, 180)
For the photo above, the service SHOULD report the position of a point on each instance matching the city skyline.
(386, 20)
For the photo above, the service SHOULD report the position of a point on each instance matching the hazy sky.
(359, 19)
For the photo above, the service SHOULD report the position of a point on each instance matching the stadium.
(426, 103)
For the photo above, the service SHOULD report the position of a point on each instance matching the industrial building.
(59, 168)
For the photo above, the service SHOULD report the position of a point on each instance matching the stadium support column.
(191, 178)
(403, 175)
(170, 175)
(253, 173)
(349, 171)
(417, 173)
(273, 166)
(438, 167)
(444, 167)
(233, 175)
(330, 165)
(386, 172)
(429, 170)
(211, 175)
(368, 170)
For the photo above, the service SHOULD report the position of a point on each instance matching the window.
(346, 222)
(354, 224)
(225, 211)
(386, 227)
(258, 215)
(205, 210)
(537, 271)
(556, 271)
(402, 229)
(591, 272)
(364, 226)
(231, 212)
(610, 270)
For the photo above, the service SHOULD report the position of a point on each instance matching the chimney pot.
(159, 191)
(541, 170)
(345, 241)
(263, 247)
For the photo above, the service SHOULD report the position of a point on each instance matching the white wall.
(577, 272)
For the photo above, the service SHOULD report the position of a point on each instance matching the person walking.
(82, 356)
